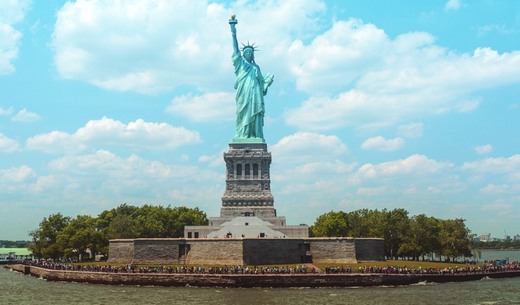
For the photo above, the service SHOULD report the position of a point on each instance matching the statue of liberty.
(251, 86)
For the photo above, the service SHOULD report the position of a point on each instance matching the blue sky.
(375, 104)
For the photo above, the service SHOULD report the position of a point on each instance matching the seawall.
(248, 280)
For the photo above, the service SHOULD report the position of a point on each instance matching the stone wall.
(370, 249)
(215, 252)
(248, 251)
(293, 231)
(273, 251)
(121, 250)
(158, 250)
(333, 250)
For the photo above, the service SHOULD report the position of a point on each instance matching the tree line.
(410, 237)
(59, 236)
(497, 245)
(14, 243)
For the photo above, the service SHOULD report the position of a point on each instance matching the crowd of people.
(132, 268)
(299, 269)
(463, 269)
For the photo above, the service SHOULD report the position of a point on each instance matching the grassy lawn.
(17, 251)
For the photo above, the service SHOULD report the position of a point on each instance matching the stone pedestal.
(248, 182)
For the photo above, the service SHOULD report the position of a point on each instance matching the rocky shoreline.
(252, 280)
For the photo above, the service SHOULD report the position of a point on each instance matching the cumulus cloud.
(210, 107)
(452, 5)
(152, 46)
(9, 48)
(7, 111)
(103, 174)
(7, 144)
(386, 82)
(16, 175)
(106, 132)
(307, 146)
(382, 144)
(25, 116)
(492, 188)
(312, 165)
(500, 165)
(483, 149)
(213, 160)
(413, 166)
(351, 45)
(11, 13)
(412, 130)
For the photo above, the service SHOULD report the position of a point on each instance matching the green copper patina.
(251, 86)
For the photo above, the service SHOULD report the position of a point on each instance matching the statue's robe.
(249, 85)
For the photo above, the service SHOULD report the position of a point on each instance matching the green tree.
(395, 225)
(59, 236)
(44, 238)
(121, 227)
(421, 238)
(180, 217)
(455, 238)
(357, 223)
(149, 221)
(330, 224)
(80, 235)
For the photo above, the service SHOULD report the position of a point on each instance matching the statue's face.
(249, 54)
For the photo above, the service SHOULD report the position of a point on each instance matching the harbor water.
(22, 289)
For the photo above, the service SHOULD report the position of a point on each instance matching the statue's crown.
(250, 46)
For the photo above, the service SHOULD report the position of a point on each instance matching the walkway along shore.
(252, 280)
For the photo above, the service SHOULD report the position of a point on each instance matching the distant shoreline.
(253, 280)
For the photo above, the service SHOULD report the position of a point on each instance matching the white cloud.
(452, 5)
(138, 135)
(501, 165)
(7, 111)
(413, 166)
(210, 107)
(14, 11)
(25, 116)
(152, 46)
(390, 81)
(106, 175)
(16, 175)
(11, 13)
(54, 142)
(493, 29)
(483, 149)
(499, 208)
(311, 165)
(492, 188)
(382, 144)
(9, 39)
(304, 147)
(7, 144)
(213, 160)
(412, 130)
(351, 45)
(43, 183)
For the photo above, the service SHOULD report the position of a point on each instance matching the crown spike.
(248, 45)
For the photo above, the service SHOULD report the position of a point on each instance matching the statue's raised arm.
(232, 23)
